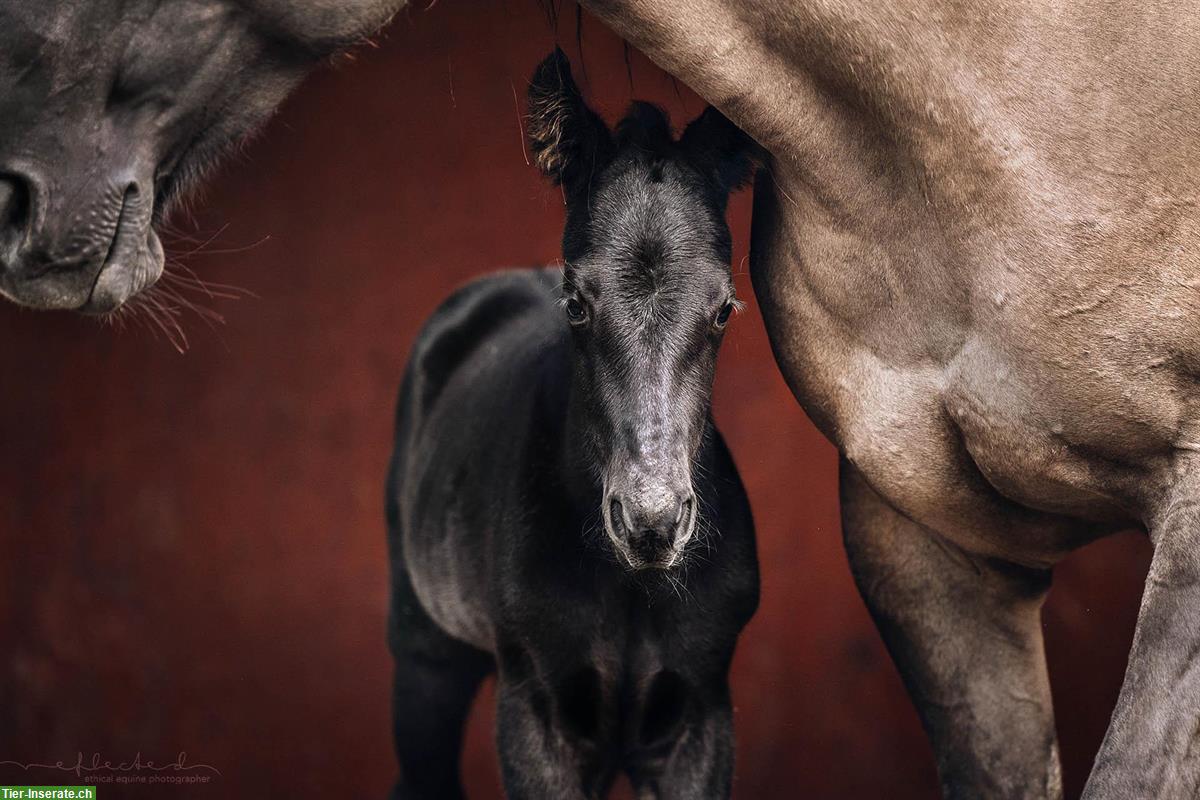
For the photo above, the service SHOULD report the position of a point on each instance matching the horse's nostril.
(616, 514)
(685, 508)
(14, 208)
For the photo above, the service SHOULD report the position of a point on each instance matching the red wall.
(192, 546)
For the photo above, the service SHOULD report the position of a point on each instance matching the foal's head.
(647, 293)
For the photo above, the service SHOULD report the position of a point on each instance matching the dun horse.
(561, 508)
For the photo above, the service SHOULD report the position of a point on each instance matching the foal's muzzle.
(651, 526)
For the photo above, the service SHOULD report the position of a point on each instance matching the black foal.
(561, 508)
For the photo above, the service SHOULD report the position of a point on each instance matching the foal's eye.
(723, 315)
(576, 311)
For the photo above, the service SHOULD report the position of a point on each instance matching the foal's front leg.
(1152, 748)
(965, 633)
(538, 758)
(701, 763)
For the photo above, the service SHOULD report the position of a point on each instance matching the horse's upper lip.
(61, 266)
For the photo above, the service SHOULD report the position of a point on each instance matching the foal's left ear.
(721, 151)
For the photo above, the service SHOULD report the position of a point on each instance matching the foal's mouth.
(639, 553)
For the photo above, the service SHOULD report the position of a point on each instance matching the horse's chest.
(1045, 441)
(949, 445)
(616, 680)
(1003, 415)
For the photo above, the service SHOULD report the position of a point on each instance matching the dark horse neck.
(577, 468)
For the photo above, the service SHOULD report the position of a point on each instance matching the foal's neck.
(578, 471)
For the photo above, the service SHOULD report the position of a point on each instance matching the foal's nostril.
(616, 515)
(687, 513)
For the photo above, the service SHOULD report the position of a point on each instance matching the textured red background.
(192, 547)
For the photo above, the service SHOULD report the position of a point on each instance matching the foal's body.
(560, 506)
(497, 562)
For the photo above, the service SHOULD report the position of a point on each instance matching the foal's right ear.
(721, 151)
(569, 140)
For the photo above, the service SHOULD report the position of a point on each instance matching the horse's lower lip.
(655, 564)
(634, 561)
(95, 305)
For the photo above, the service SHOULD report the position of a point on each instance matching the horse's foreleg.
(966, 636)
(700, 763)
(435, 680)
(539, 758)
(1152, 748)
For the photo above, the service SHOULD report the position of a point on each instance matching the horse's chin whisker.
(163, 307)
(165, 316)
(176, 303)
(186, 278)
